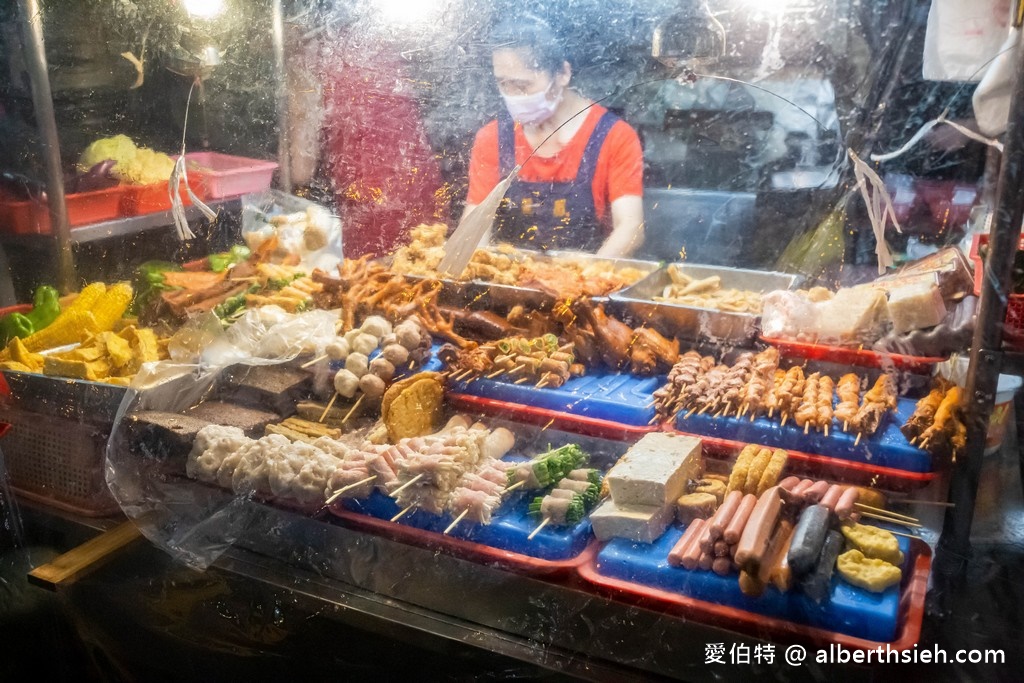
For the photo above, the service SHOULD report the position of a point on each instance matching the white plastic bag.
(992, 96)
(962, 36)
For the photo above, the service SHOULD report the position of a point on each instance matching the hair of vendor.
(533, 38)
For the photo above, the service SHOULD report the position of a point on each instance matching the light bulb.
(204, 9)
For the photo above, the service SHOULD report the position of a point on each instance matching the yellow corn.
(87, 298)
(69, 328)
(111, 306)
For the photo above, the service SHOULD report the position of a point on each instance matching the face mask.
(532, 110)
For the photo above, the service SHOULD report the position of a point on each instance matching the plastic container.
(1005, 391)
(28, 217)
(222, 175)
(639, 574)
(142, 199)
(612, 397)
(885, 448)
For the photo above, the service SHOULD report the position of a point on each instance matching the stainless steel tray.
(692, 322)
(483, 294)
(73, 399)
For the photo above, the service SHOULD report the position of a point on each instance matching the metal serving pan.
(692, 322)
(484, 294)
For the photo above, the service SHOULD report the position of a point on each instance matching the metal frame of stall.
(986, 358)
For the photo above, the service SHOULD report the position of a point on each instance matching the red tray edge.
(462, 548)
(859, 357)
(912, 608)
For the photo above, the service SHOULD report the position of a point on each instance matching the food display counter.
(477, 435)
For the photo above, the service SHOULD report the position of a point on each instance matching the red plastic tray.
(468, 550)
(546, 418)
(845, 471)
(223, 175)
(922, 365)
(911, 608)
(142, 199)
(28, 217)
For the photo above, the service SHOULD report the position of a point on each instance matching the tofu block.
(854, 314)
(915, 307)
(641, 523)
(655, 470)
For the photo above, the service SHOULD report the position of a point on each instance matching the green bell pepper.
(45, 309)
(220, 262)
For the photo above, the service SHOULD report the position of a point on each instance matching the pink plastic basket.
(222, 175)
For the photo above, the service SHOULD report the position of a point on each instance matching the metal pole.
(283, 137)
(42, 101)
(986, 358)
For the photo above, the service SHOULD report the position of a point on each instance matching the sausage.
(692, 551)
(781, 576)
(808, 537)
(706, 544)
(675, 556)
(750, 585)
(721, 566)
(801, 489)
(830, 499)
(720, 549)
(845, 506)
(816, 491)
(706, 561)
(778, 544)
(758, 531)
(734, 529)
(725, 512)
(789, 483)
(818, 584)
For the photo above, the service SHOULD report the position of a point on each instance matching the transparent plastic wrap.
(307, 234)
(145, 467)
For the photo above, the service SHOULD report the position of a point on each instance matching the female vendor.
(582, 187)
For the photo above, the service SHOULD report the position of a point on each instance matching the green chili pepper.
(14, 325)
(45, 309)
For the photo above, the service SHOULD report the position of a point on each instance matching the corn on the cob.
(69, 328)
(87, 298)
(111, 306)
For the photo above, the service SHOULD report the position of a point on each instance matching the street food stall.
(616, 340)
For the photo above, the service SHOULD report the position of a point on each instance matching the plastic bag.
(963, 35)
(812, 253)
(991, 98)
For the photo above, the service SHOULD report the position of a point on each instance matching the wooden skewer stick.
(785, 418)
(846, 425)
(516, 369)
(687, 416)
(406, 485)
(862, 506)
(330, 403)
(457, 520)
(402, 513)
(826, 430)
(807, 426)
(513, 487)
(857, 440)
(771, 412)
(353, 408)
(900, 533)
(540, 526)
(654, 420)
(891, 520)
(521, 380)
(495, 374)
(412, 364)
(313, 362)
(908, 501)
(337, 494)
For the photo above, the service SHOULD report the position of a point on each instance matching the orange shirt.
(620, 165)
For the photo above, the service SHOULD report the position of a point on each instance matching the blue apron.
(550, 215)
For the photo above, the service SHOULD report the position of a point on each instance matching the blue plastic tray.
(616, 397)
(509, 527)
(885, 448)
(850, 610)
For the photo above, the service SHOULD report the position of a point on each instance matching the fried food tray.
(483, 294)
(853, 617)
(693, 322)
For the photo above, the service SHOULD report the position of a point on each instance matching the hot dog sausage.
(691, 553)
(801, 488)
(734, 529)
(816, 491)
(721, 549)
(845, 506)
(707, 560)
(721, 566)
(675, 556)
(832, 496)
(726, 511)
(754, 541)
(789, 483)
(778, 544)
